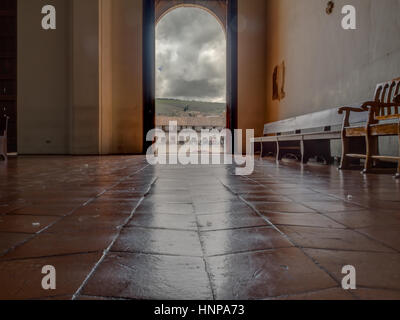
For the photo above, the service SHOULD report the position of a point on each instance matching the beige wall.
(327, 66)
(43, 86)
(58, 104)
(79, 86)
(105, 76)
(85, 77)
(121, 77)
(251, 65)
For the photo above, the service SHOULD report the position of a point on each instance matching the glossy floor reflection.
(117, 228)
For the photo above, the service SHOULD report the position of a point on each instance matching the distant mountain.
(181, 108)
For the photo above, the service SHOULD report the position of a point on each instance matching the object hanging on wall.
(278, 82)
(330, 6)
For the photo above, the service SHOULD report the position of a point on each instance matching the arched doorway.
(190, 69)
(153, 10)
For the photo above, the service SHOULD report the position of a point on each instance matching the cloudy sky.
(190, 56)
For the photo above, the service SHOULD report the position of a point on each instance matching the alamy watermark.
(49, 19)
(49, 280)
(209, 146)
(349, 20)
(349, 281)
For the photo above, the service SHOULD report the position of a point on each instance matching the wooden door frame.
(149, 74)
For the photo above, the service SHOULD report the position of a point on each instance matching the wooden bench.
(3, 137)
(383, 120)
(305, 136)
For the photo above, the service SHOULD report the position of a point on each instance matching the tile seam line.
(355, 230)
(262, 299)
(347, 228)
(301, 293)
(49, 257)
(204, 257)
(315, 262)
(108, 249)
(70, 213)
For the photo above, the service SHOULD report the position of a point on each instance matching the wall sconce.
(330, 6)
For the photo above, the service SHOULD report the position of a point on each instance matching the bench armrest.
(348, 110)
(351, 109)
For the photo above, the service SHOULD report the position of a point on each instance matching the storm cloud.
(190, 56)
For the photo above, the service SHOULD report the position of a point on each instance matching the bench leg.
(261, 150)
(279, 154)
(372, 149)
(345, 161)
(351, 145)
(398, 163)
(304, 154)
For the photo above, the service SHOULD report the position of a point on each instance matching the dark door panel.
(8, 69)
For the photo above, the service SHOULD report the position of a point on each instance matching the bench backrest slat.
(386, 92)
(396, 94)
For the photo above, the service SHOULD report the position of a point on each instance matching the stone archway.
(218, 8)
(225, 12)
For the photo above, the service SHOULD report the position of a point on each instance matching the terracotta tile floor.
(116, 228)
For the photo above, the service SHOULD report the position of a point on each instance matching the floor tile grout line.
(69, 214)
(375, 240)
(159, 254)
(108, 249)
(285, 235)
(378, 288)
(243, 252)
(334, 220)
(201, 230)
(205, 260)
(237, 228)
(356, 231)
(106, 297)
(300, 247)
(261, 299)
(347, 228)
(105, 252)
(342, 199)
(49, 257)
(159, 228)
(300, 293)
(289, 296)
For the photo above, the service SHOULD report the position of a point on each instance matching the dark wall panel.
(8, 69)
